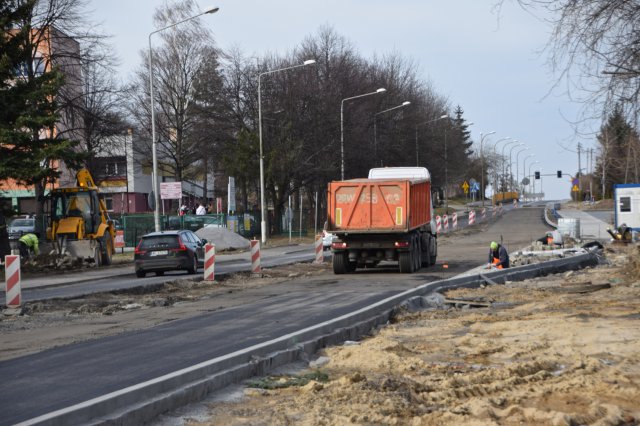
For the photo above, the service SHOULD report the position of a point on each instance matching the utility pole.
(579, 171)
(591, 197)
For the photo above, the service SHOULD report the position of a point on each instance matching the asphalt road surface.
(42, 382)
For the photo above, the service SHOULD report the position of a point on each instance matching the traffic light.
(559, 173)
(537, 175)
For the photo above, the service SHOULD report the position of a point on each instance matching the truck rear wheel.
(433, 244)
(341, 263)
(405, 261)
(417, 258)
(106, 245)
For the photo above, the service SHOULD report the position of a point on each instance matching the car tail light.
(401, 244)
(182, 246)
(339, 245)
(138, 250)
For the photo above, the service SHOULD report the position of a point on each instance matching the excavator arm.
(84, 179)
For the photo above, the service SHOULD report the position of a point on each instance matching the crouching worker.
(28, 244)
(498, 256)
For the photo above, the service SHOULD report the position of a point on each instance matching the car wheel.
(140, 273)
(194, 266)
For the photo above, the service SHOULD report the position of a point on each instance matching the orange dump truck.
(386, 217)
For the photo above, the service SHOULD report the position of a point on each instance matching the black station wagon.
(167, 251)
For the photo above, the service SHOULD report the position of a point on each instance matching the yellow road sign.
(465, 186)
(575, 188)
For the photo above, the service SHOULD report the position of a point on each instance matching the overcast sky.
(491, 65)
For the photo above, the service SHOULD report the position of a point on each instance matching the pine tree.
(29, 146)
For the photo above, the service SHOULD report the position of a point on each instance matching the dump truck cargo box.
(378, 205)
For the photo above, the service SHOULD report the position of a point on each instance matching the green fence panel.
(135, 226)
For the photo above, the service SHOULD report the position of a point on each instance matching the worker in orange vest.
(498, 256)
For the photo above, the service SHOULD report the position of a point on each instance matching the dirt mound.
(223, 238)
(537, 354)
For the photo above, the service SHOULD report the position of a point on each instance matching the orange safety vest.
(496, 260)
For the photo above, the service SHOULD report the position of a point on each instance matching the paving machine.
(79, 222)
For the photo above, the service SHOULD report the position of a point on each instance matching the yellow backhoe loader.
(80, 225)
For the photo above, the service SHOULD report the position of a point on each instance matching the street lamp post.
(511, 164)
(517, 171)
(263, 220)
(375, 121)
(420, 124)
(524, 167)
(504, 163)
(495, 154)
(380, 90)
(495, 145)
(154, 150)
(482, 165)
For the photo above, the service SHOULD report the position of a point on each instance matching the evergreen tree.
(461, 165)
(29, 145)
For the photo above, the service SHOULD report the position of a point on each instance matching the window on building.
(108, 201)
(625, 204)
(39, 66)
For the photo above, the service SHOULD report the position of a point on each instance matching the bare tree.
(595, 46)
(102, 111)
(177, 65)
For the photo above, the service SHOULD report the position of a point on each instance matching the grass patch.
(282, 382)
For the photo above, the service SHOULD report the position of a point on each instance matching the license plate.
(160, 253)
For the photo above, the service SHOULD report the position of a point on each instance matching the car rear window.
(22, 222)
(159, 241)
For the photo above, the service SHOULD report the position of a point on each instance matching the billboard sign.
(171, 190)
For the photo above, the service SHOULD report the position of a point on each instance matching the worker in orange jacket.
(498, 256)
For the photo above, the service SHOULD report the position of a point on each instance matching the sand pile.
(223, 238)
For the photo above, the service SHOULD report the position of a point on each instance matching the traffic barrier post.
(209, 262)
(438, 224)
(454, 221)
(494, 211)
(13, 286)
(319, 249)
(484, 214)
(255, 257)
(472, 217)
(445, 219)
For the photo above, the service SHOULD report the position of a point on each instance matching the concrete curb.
(546, 219)
(142, 402)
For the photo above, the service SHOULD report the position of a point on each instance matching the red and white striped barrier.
(438, 225)
(454, 221)
(13, 290)
(483, 214)
(319, 249)
(445, 222)
(209, 262)
(515, 204)
(255, 257)
(472, 217)
(494, 211)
